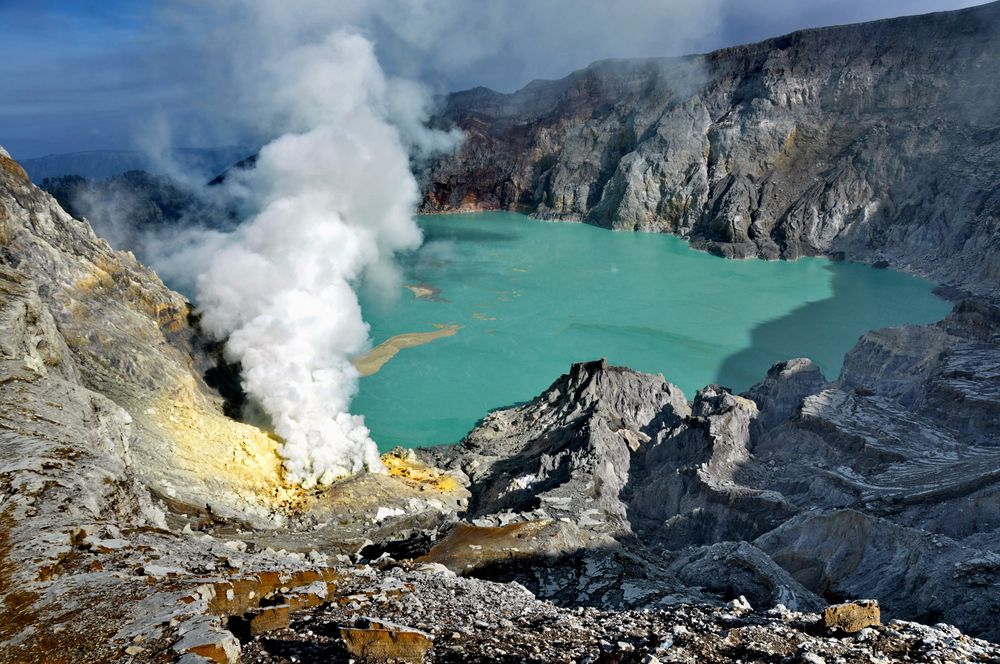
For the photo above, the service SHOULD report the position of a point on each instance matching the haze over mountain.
(101, 164)
(127, 74)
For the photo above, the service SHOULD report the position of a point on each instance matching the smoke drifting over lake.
(334, 197)
(331, 199)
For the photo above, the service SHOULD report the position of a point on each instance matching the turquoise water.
(532, 297)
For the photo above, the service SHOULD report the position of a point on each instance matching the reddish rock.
(269, 619)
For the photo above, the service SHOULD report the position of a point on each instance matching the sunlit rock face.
(128, 340)
(877, 140)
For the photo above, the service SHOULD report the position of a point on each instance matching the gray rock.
(780, 394)
(876, 141)
(568, 452)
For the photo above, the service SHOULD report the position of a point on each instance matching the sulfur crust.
(406, 467)
(209, 445)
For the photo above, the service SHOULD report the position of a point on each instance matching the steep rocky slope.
(118, 332)
(114, 446)
(878, 140)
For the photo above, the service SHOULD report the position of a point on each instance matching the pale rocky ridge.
(878, 142)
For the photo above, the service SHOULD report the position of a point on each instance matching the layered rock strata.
(878, 142)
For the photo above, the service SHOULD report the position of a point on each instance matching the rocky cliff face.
(800, 492)
(111, 328)
(877, 140)
(117, 457)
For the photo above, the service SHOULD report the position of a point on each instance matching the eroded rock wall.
(877, 140)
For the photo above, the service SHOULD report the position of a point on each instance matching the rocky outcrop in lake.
(878, 142)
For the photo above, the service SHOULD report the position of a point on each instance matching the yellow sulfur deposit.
(235, 457)
(404, 464)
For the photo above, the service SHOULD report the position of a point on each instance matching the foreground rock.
(800, 492)
(476, 621)
(876, 141)
(852, 616)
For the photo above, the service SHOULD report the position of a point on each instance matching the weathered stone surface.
(852, 616)
(206, 638)
(468, 547)
(377, 642)
(480, 621)
(877, 142)
(268, 619)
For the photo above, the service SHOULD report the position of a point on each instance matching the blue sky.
(65, 74)
(92, 74)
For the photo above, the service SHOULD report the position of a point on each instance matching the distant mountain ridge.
(101, 164)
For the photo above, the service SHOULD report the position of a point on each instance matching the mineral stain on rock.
(378, 642)
(852, 616)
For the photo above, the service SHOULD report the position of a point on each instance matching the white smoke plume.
(333, 190)
(336, 199)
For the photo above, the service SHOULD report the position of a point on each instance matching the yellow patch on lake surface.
(423, 291)
(374, 359)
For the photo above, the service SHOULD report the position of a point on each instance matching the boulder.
(852, 616)
(373, 642)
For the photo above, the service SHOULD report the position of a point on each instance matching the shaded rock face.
(876, 140)
(689, 490)
(570, 449)
(883, 483)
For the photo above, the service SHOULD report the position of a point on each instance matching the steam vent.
(292, 369)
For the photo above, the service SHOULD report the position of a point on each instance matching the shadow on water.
(826, 330)
(464, 234)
